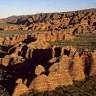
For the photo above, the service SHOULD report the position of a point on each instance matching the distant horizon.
(30, 7)
(46, 12)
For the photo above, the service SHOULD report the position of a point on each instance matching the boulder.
(39, 69)
(5, 61)
(20, 89)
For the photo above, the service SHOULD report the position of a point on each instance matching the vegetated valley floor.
(85, 40)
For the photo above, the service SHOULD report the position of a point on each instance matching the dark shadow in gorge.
(57, 52)
(66, 52)
(29, 39)
(5, 48)
(26, 70)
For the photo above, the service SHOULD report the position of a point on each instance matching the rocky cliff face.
(45, 36)
(43, 67)
(35, 64)
(75, 22)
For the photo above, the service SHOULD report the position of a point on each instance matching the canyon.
(35, 62)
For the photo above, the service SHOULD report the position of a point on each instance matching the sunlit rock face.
(47, 67)
(78, 68)
(68, 22)
(42, 66)
(20, 89)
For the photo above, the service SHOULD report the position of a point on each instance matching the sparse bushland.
(87, 40)
(4, 34)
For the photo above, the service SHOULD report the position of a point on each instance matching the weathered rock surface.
(39, 83)
(55, 70)
(20, 89)
(1, 41)
(60, 66)
(78, 68)
(69, 22)
(37, 36)
(39, 69)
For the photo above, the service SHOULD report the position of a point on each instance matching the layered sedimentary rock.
(69, 22)
(39, 83)
(39, 36)
(78, 68)
(43, 66)
(52, 69)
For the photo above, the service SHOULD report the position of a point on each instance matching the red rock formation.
(39, 69)
(93, 66)
(39, 83)
(69, 22)
(1, 41)
(78, 68)
(20, 89)
(62, 69)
